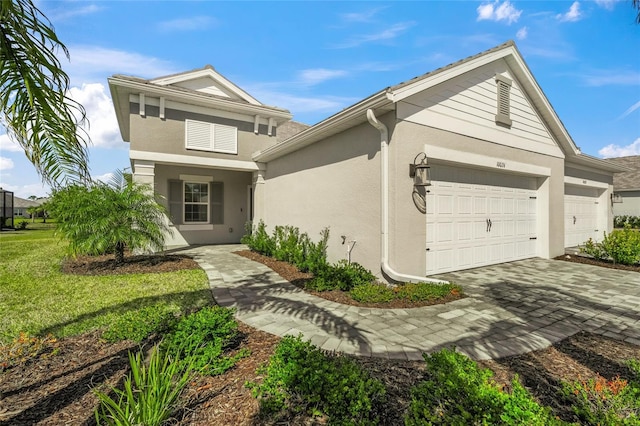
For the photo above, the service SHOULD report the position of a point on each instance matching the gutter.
(384, 196)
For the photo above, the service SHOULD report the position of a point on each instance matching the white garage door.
(580, 215)
(477, 218)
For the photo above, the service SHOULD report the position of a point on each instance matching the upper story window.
(503, 113)
(211, 137)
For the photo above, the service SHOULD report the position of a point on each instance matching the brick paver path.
(512, 308)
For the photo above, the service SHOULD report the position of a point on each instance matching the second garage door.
(580, 215)
(477, 218)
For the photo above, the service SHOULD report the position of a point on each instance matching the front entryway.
(477, 218)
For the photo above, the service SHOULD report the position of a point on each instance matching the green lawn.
(35, 297)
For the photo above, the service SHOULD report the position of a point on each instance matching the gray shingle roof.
(627, 181)
(25, 204)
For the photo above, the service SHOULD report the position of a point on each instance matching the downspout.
(384, 207)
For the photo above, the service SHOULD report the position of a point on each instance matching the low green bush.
(372, 293)
(150, 392)
(621, 246)
(423, 292)
(457, 392)
(207, 336)
(300, 377)
(622, 221)
(343, 276)
(607, 402)
(289, 245)
(138, 324)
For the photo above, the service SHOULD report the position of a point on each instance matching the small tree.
(110, 217)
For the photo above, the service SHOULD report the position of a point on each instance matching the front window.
(196, 202)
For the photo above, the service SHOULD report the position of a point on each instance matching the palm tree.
(34, 106)
(110, 217)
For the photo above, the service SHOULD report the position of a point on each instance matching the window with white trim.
(196, 202)
(211, 137)
(503, 95)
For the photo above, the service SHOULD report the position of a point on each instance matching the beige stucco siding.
(630, 205)
(152, 134)
(408, 225)
(235, 204)
(333, 183)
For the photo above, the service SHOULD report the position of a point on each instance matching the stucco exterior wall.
(153, 134)
(630, 205)
(333, 183)
(235, 204)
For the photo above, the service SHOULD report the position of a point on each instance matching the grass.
(35, 297)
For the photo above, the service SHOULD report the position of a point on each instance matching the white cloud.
(27, 190)
(311, 77)
(522, 33)
(105, 178)
(92, 63)
(612, 150)
(496, 11)
(271, 95)
(572, 15)
(384, 35)
(362, 16)
(194, 23)
(607, 4)
(6, 163)
(9, 145)
(631, 109)
(612, 77)
(103, 126)
(67, 12)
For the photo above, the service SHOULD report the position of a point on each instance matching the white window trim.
(185, 203)
(212, 137)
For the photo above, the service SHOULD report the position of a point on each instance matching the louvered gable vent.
(503, 86)
(211, 137)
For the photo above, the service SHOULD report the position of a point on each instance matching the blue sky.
(316, 58)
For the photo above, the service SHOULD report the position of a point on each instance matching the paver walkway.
(511, 308)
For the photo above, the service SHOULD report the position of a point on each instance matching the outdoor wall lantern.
(616, 198)
(420, 172)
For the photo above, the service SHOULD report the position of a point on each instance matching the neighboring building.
(21, 206)
(627, 186)
(507, 180)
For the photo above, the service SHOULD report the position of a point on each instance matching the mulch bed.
(294, 276)
(56, 389)
(138, 264)
(592, 261)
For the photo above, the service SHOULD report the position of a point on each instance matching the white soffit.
(193, 160)
(587, 183)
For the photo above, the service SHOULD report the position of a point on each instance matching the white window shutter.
(225, 139)
(199, 135)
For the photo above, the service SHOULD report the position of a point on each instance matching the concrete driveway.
(511, 308)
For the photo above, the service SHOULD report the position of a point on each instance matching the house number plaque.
(501, 165)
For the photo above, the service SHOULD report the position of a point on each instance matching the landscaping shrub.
(289, 245)
(138, 324)
(622, 221)
(150, 392)
(423, 292)
(621, 246)
(372, 293)
(457, 392)
(300, 377)
(206, 336)
(340, 276)
(607, 402)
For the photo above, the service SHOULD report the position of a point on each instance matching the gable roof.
(386, 99)
(23, 203)
(201, 87)
(629, 180)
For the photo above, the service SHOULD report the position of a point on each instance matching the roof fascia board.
(446, 74)
(120, 114)
(322, 129)
(204, 100)
(587, 162)
(207, 72)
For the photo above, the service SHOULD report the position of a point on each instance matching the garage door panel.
(581, 209)
(460, 223)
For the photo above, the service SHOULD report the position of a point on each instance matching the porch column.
(144, 172)
(258, 194)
